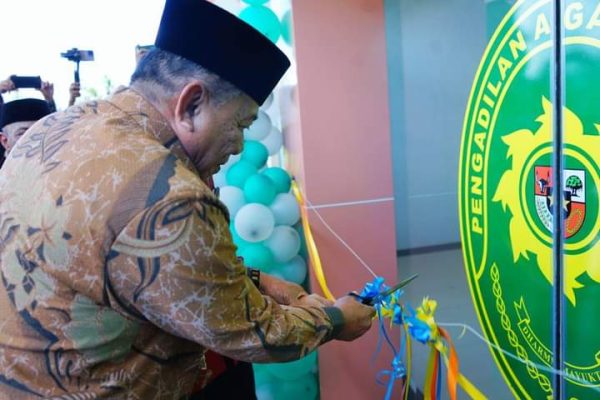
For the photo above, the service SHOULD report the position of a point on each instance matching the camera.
(34, 82)
(78, 55)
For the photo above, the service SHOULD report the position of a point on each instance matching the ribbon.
(422, 326)
(311, 246)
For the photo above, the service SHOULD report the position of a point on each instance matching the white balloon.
(260, 128)
(285, 209)
(233, 6)
(293, 270)
(284, 243)
(220, 179)
(268, 101)
(274, 141)
(254, 222)
(232, 160)
(233, 198)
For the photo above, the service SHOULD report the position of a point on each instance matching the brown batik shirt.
(117, 265)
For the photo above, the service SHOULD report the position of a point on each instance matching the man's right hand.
(74, 92)
(357, 318)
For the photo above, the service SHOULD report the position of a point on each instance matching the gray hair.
(162, 74)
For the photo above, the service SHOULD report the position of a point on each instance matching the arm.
(175, 265)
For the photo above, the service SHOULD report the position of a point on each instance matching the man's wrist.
(336, 317)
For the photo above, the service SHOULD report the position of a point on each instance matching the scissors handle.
(368, 301)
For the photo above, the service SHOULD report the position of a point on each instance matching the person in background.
(17, 116)
(47, 91)
(74, 92)
(141, 51)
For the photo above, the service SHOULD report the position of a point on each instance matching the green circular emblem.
(506, 193)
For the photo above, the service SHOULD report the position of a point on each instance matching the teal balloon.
(239, 173)
(259, 189)
(263, 20)
(304, 388)
(262, 375)
(280, 178)
(286, 28)
(255, 153)
(257, 255)
(292, 370)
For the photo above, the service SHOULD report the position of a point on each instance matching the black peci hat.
(22, 111)
(211, 37)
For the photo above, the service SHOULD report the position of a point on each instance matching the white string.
(542, 367)
(464, 327)
(351, 203)
(364, 264)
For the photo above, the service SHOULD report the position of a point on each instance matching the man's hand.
(74, 92)
(6, 86)
(281, 291)
(312, 300)
(357, 318)
(47, 90)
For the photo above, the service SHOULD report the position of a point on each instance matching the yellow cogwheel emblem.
(526, 191)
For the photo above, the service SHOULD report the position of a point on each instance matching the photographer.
(45, 88)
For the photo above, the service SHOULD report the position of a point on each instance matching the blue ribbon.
(417, 328)
(373, 290)
(398, 371)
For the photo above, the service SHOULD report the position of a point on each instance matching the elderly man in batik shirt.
(117, 265)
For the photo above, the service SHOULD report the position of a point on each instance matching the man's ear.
(3, 140)
(189, 104)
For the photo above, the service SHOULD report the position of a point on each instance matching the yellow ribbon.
(311, 246)
(425, 313)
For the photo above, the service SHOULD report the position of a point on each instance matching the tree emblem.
(574, 183)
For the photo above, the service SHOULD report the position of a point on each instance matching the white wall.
(434, 48)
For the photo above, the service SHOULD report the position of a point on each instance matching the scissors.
(369, 301)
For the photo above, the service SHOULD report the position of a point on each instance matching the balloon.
(233, 6)
(237, 240)
(233, 198)
(284, 243)
(286, 27)
(260, 128)
(263, 392)
(259, 189)
(273, 141)
(263, 20)
(255, 153)
(293, 270)
(256, 255)
(230, 161)
(289, 371)
(268, 102)
(280, 178)
(220, 179)
(285, 209)
(303, 388)
(239, 172)
(254, 222)
(255, 2)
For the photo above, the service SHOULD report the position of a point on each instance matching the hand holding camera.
(6, 86)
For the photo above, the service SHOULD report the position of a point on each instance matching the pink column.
(339, 144)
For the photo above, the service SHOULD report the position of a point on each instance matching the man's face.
(11, 133)
(217, 133)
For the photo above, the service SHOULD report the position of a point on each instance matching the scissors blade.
(398, 286)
